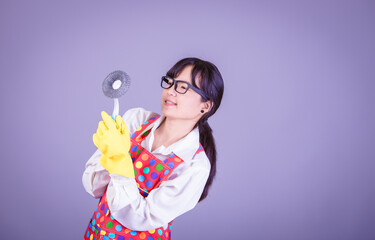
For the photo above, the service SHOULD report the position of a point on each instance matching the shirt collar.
(184, 148)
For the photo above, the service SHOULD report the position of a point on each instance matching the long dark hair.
(212, 85)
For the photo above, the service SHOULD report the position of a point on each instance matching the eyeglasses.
(180, 86)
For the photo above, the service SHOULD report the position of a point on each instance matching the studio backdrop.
(294, 134)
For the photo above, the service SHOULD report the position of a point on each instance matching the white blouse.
(179, 194)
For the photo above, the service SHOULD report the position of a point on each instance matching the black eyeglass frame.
(175, 82)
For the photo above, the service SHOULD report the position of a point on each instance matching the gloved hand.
(113, 140)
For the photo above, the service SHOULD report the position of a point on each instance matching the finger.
(96, 140)
(118, 122)
(101, 128)
(122, 127)
(125, 130)
(108, 121)
(99, 132)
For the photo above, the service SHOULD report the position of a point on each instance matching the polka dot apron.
(150, 172)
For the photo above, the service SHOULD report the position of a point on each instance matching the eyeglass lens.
(166, 82)
(181, 87)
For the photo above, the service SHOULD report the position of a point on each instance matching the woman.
(168, 164)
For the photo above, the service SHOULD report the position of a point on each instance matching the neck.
(172, 130)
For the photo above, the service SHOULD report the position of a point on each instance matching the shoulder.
(197, 169)
(199, 164)
(200, 160)
(134, 117)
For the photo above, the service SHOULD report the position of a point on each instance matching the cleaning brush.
(114, 86)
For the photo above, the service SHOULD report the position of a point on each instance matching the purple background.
(295, 132)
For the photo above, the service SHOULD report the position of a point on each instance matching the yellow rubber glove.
(113, 140)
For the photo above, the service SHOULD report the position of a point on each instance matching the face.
(186, 106)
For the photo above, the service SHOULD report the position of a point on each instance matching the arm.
(95, 177)
(172, 198)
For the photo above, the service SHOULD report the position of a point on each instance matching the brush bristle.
(110, 79)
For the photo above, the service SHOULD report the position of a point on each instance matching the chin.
(165, 111)
(170, 113)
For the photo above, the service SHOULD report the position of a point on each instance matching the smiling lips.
(168, 102)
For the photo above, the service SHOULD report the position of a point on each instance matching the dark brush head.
(116, 84)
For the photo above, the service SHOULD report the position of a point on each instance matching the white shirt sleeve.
(179, 194)
(96, 178)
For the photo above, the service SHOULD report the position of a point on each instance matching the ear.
(206, 106)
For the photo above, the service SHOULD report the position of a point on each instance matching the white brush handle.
(115, 108)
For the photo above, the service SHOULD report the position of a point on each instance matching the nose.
(171, 91)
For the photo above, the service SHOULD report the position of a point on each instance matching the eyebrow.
(183, 80)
